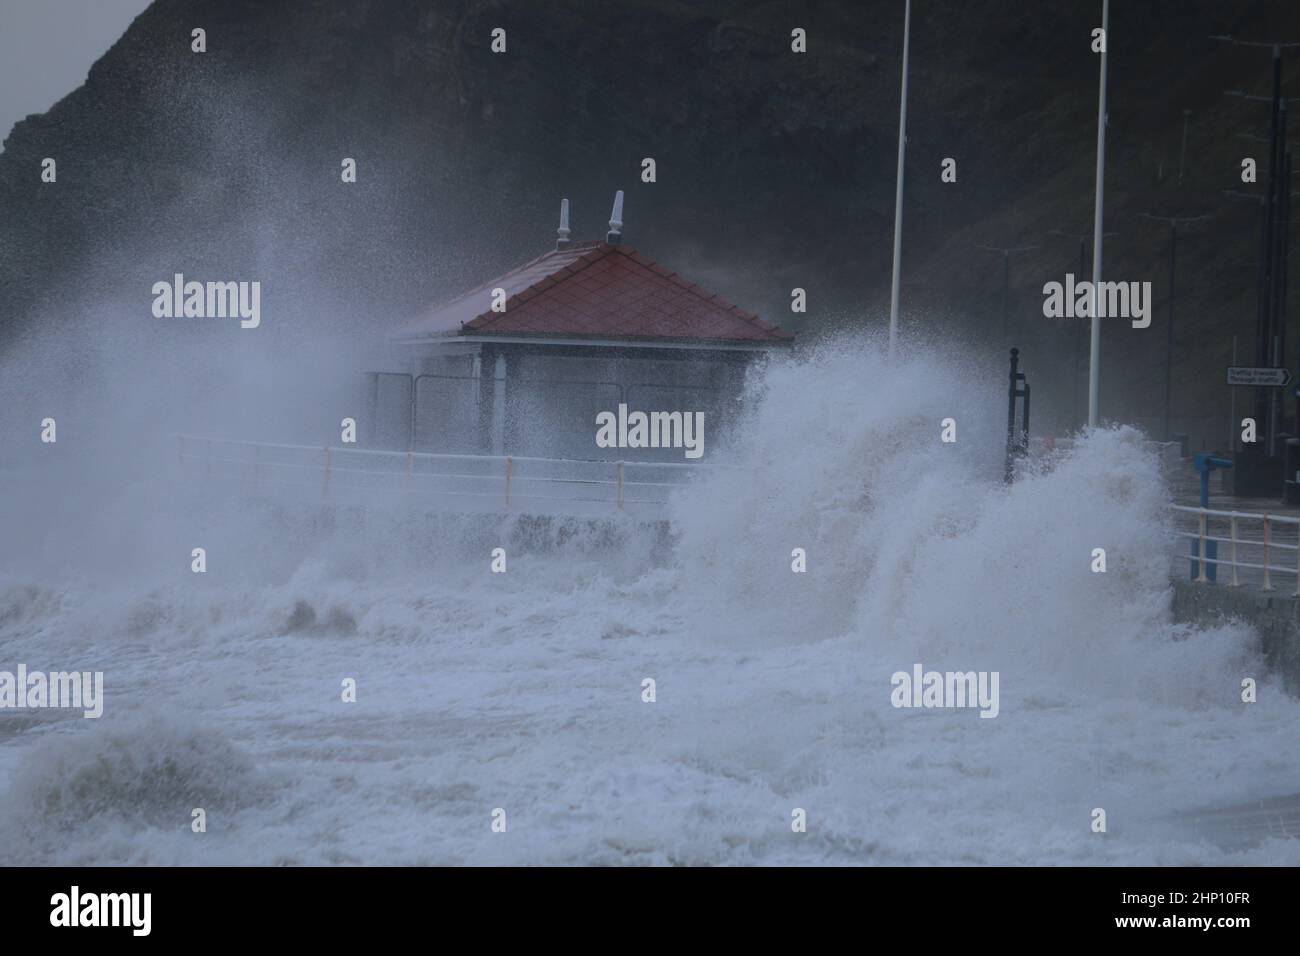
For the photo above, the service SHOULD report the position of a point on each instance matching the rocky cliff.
(774, 169)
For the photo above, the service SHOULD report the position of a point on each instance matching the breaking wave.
(120, 778)
(522, 690)
(917, 548)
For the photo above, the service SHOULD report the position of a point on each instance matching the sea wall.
(1274, 614)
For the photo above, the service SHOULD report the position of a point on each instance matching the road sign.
(1266, 377)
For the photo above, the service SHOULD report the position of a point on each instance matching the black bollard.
(1017, 446)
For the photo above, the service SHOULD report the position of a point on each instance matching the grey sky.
(47, 47)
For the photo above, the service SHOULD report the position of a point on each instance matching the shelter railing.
(466, 482)
(1253, 542)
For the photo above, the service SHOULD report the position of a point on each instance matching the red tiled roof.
(596, 290)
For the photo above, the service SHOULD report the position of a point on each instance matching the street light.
(1182, 154)
(1006, 274)
(1094, 340)
(1082, 239)
(1169, 332)
(1270, 322)
(898, 185)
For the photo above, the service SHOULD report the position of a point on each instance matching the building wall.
(551, 397)
(552, 401)
(447, 405)
(432, 405)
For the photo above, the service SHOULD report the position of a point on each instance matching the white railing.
(484, 483)
(1254, 533)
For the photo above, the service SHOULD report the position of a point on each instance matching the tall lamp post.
(1174, 222)
(898, 185)
(1082, 239)
(1270, 331)
(1094, 341)
(1006, 274)
(1182, 153)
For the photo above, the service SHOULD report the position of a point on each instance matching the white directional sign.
(1268, 377)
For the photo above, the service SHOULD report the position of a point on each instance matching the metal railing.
(482, 483)
(1254, 533)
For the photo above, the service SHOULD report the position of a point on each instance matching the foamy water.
(523, 690)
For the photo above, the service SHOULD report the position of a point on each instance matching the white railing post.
(1200, 551)
(1296, 593)
(572, 486)
(1234, 581)
(1268, 584)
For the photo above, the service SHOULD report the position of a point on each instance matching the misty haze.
(426, 445)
